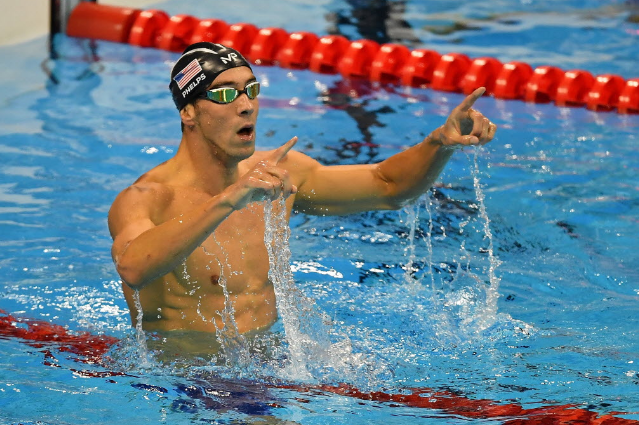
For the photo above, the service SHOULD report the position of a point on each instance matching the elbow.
(395, 199)
(392, 201)
(132, 277)
(396, 203)
(131, 269)
(392, 197)
(387, 190)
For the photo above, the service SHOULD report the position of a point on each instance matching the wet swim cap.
(198, 66)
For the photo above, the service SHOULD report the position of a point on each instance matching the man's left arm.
(390, 184)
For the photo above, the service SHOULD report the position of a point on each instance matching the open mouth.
(246, 131)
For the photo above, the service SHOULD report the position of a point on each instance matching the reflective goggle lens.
(252, 90)
(229, 94)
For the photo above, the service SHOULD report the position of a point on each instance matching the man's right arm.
(144, 250)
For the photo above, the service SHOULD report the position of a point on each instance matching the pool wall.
(19, 23)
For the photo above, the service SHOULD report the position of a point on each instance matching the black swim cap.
(198, 66)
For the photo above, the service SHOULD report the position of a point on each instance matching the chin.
(245, 152)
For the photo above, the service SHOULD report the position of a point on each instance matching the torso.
(228, 271)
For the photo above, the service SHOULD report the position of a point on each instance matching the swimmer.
(195, 221)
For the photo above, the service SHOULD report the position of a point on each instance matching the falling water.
(143, 350)
(429, 241)
(276, 238)
(492, 291)
(315, 349)
(412, 212)
(442, 321)
(466, 305)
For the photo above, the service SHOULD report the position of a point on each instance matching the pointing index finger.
(281, 152)
(471, 99)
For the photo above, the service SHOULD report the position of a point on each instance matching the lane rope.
(366, 59)
(87, 348)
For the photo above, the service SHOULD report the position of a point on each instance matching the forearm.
(412, 172)
(161, 249)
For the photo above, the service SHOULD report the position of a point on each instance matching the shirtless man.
(196, 217)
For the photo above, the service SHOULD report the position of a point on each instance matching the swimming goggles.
(229, 94)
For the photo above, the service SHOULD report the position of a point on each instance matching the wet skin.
(195, 224)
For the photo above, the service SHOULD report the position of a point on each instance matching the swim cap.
(198, 66)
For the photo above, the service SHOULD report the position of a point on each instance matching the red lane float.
(574, 87)
(297, 50)
(512, 79)
(542, 86)
(449, 72)
(458, 405)
(266, 45)
(147, 28)
(419, 68)
(629, 97)
(209, 30)
(90, 349)
(41, 334)
(177, 33)
(327, 54)
(387, 64)
(102, 22)
(240, 37)
(604, 95)
(358, 58)
(481, 73)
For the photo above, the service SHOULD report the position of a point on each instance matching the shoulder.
(142, 192)
(144, 199)
(151, 187)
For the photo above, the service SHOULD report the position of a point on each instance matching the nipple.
(215, 280)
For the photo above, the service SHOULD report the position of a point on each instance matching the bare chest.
(234, 256)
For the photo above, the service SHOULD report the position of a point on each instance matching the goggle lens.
(229, 94)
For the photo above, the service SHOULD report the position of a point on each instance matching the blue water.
(401, 296)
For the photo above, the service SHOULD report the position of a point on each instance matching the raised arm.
(146, 247)
(330, 190)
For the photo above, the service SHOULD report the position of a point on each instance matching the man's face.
(229, 128)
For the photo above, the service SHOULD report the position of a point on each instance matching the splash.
(442, 320)
(276, 236)
(492, 290)
(429, 241)
(143, 350)
(412, 212)
(464, 301)
(315, 349)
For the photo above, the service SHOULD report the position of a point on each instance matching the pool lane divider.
(87, 348)
(366, 59)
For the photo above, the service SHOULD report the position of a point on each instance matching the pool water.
(515, 279)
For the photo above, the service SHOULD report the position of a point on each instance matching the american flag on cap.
(183, 77)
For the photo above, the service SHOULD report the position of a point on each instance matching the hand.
(466, 126)
(266, 180)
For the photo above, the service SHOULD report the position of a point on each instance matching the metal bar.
(60, 11)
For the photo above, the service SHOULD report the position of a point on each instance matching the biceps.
(344, 189)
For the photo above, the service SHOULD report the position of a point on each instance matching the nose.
(245, 106)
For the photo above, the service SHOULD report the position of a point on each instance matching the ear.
(187, 114)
